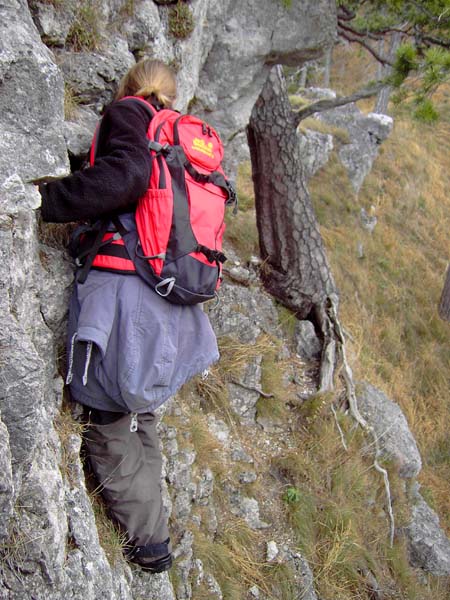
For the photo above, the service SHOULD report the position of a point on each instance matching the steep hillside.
(333, 503)
(271, 496)
(391, 279)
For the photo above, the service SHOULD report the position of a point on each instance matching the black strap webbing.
(216, 178)
(84, 271)
(212, 255)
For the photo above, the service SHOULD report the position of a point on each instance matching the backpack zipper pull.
(134, 423)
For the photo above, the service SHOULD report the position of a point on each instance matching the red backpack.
(176, 245)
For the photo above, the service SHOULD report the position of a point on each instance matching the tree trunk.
(384, 70)
(444, 304)
(295, 267)
(303, 76)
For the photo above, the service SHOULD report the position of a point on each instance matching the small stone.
(238, 454)
(308, 344)
(240, 275)
(248, 509)
(395, 439)
(219, 429)
(205, 486)
(247, 477)
(272, 551)
(429, 546)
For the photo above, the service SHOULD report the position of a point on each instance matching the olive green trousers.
(125, 457)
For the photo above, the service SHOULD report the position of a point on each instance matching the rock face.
(49, 546)
(390, 425)
(365, 133)
(315, 148)
(428, 545)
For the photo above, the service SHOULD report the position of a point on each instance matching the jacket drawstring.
(87, 363)
(69, 375)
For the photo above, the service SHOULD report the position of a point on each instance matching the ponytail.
(151, 79)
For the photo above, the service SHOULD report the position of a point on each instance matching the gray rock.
(56, 286)
(366, 133)
(185, 565)
(79, 132)
(242, 397)
(143, 27)
(31, 144)
(254, 591)
(315, 149)
(213, 587)
(390, 425)
(317, 93)
(247, 509)
(271, 551)
(241, 275)
(205, 487)
(304, 576)
(53, 21)
(94, 77)
(301, 32)
(253, 315)
(247, 477)
(240, 455)
(308, 345)
(151, 587)
(219, 429)
(6, 482)
(429, 547)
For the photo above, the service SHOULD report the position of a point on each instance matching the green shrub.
(85, 31)
(181, 21)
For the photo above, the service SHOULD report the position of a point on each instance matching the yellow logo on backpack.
(201, 146)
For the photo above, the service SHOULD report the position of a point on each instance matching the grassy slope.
(389, 307)
(390, 296)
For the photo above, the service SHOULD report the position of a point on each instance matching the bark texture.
(296, 269)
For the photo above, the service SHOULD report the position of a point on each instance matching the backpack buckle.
(158, 148)
(169, 282)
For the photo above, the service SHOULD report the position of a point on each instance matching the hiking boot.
(157, 565)
(151, 558)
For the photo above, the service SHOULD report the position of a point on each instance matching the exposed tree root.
(345, 373)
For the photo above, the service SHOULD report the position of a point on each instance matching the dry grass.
(236, 556)
(340, 135)
(338, 520)
(390, 296)
(71, 103)
(112, 540)
(241, 228)
(389, 306)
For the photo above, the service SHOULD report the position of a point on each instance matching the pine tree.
(422, 60)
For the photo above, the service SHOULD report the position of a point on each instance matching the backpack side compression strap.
(103, 247)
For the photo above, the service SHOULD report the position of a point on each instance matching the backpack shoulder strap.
(151, 110)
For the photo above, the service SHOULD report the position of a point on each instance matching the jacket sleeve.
(118, 178)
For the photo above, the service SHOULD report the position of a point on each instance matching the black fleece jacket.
(118, 178)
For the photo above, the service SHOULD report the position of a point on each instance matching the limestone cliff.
(49, 542)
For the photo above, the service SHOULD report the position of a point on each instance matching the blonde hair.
(150, 78)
